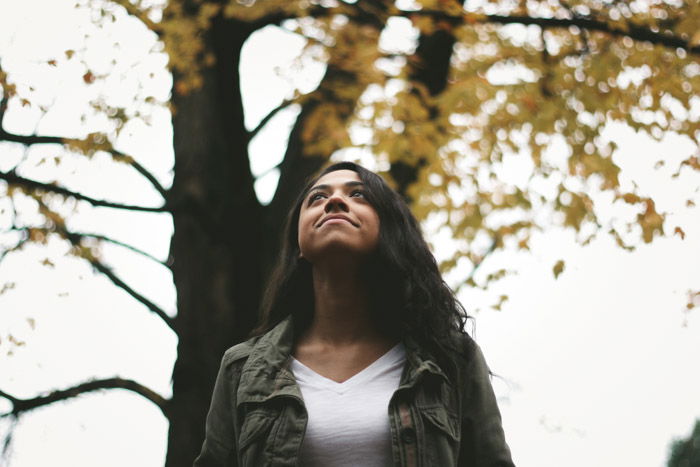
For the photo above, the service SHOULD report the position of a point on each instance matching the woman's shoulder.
(467, 356)
(463, 345)
(239, 352)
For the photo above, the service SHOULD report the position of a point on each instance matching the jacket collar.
(419, 363)
(266, 374)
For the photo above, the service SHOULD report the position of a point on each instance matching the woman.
(361, 358)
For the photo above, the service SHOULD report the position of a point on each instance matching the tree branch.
(3, 107)
(12, 178)
(5, 95)
(277, 17)
(639, 33)
(139, 14)
(268, 117)
(75, 240)
(18, 246)
(25, 405)
(123, 245)
(116, 280)
(29, 140)
(142, 170)
(101, 267)
(481, 259)
(104, 238)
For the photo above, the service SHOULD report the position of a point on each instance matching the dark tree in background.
(439, 122)
(686, 452)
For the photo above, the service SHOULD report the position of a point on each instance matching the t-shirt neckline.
(393, 356)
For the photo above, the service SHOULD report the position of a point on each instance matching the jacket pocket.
(439, 418)
(440, 437)
(254, 431)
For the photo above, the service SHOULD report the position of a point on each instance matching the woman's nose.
(336, 202)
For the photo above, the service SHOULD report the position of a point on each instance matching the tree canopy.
(492, 118)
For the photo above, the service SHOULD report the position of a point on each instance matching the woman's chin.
(338, 252)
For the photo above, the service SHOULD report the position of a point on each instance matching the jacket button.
(408, 435)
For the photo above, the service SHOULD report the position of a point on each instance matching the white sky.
(600, 367)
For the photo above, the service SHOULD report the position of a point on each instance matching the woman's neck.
(342, 312)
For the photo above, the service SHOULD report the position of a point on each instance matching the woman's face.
(335, 217)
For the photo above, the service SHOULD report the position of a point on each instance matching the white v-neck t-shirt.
(349, 421)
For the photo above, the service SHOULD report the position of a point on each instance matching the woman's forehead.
(338, 177)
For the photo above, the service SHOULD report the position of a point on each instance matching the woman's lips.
(336, 220)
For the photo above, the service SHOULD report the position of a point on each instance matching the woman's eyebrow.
(351, 183)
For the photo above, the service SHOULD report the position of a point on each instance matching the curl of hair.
(408, 295)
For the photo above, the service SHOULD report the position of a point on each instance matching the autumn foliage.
(479, 91)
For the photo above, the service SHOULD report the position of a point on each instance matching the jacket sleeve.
(219, 447)
(483, 442)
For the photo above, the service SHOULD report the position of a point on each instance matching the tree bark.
(298, 165)
(430, 67)
(216, 243)
(224, 241)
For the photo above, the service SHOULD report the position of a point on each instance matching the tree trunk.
(216, 244)
(295, 169)
(298, 165)
(430, 66)
(224, 241)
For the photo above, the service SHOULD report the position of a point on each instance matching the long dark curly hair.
(407, 294)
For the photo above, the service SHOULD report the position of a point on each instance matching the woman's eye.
(315, 196)
(357, 194)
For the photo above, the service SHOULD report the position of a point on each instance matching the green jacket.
(257, 416)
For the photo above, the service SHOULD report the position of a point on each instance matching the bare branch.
(277, 166)
(12, 178)
(481, 259)
(639, 33)
(104, 238)
(141, 15)
(101, 267)
(5, 451)
(75, 240)
(25, 405)
(123, 245)
(269, 116)
(277, 17)
(29, 140)
(3, 107)
(142, 170)
(18, 246)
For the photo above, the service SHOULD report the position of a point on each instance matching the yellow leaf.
(558, 268)
(7, 286)
(89, 77)
(631, 198)
(501, 300)
(695, 40)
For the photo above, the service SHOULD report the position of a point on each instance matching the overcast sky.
(597, 368)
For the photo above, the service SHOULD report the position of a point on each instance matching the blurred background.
(149, 151)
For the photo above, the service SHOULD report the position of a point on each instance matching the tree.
(686, 452)
(479, 88)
